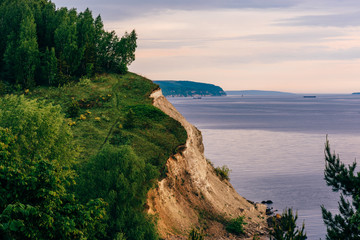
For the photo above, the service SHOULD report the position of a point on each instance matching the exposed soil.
(193, 196)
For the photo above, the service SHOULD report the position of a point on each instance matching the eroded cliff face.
(192, 195)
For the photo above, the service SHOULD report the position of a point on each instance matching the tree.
(86, 41)
(122, 179)
(30, 29)
(285, 227)
(11, 14)
(343, 179)
(49, 68)
(27, 53)
(69, 53)
(18, 43)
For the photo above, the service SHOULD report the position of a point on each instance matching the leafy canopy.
(42, 45)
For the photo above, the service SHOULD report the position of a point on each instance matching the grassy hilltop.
(119, 147)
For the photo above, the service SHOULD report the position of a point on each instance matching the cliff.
(192, 195)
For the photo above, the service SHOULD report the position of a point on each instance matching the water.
(275, 146)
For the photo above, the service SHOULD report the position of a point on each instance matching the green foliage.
(285, 228)
(236, 225)
(39, 127)
(129, 119)
(344, 179)
(130, 161)
(34, 202)
(49, 66)
(5, 88)
(223, 172)
(42, 45)
(73, 109)
(26, 53)
(123, 180)
(195, 235)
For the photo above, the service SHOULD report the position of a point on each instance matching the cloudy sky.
(303, 46)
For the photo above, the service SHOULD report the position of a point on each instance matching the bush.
(73, 109)
(39, 127)
(223, 172)
(35, 147)
(5, 88)
(84, 81)
(195, 235)
(122, 179)
(236, 225)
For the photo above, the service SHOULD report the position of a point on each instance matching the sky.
(300, 46)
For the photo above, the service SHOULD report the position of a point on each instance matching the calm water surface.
(275, 146)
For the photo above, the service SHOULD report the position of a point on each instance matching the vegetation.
(343, 179)
(195, 235)
(83, 173)
(285, 227)
(236, 225)
(188, 88)
(223, 172)
(42, 45)
(36, 152)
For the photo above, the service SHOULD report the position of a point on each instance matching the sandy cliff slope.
(192, 195)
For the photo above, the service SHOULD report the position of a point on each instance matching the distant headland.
(189, 89)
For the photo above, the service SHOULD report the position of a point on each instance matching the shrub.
(84, 81)
(236, 225)
(195, 235)
(40, 128)
(122, 179)
(130, 119)
(5, 88)
(35, 148)
(223, 172)
(73, 109)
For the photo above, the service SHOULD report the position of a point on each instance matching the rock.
(267, 202)
(269, 211)
(261, 208)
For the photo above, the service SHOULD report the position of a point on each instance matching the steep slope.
(192, 195)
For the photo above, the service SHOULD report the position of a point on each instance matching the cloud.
(330, 20)
(122, 9)
(295, 37)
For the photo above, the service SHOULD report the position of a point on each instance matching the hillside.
(189, 89)
(119, 146)
(134, 156)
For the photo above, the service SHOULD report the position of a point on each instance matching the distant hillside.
(257, 92)
(356, 93)
(189, 89)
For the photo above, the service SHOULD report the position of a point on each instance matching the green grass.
(105, 102)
